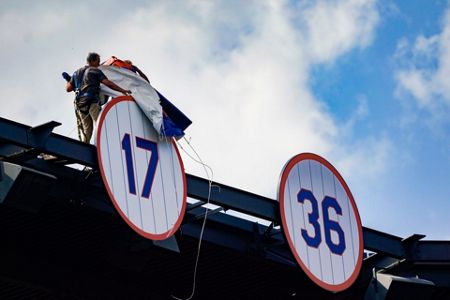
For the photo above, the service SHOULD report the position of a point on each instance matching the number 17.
(152, 164)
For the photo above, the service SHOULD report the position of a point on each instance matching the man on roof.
(86, 84)
(136, 70)
(126, 64)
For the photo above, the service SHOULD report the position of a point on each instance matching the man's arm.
(115, 87)
(69, 87)
(142, 74)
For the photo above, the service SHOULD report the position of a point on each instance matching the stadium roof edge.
(20, 144)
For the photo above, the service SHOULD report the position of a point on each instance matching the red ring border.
(282, 185)
(161, 236)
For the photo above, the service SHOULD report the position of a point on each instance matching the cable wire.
(205, 167)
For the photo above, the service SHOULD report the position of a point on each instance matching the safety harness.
(78, 81)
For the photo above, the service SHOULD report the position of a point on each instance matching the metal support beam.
(383, 243)
(233, 198)
(8, 150)
(210, 213)
(386, 286)
(433, 252)
(220, 225)
(194, 205)
(410, 245)
(38, 135)
(13, 135)
(24, 136)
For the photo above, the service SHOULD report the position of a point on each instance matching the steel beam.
(383, 243)
(235, 233)
(41, 139)
(433, 251)
(232, 198)
(15, 136)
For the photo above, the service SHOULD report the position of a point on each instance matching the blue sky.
(416, 182)
(360, 82)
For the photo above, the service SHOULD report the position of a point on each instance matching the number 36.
(329, 225)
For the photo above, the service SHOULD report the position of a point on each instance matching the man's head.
(93, 59)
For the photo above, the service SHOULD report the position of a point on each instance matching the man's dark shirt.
(90, 85)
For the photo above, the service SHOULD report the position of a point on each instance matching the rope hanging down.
(210, 180)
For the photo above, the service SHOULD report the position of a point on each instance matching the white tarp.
(143, 93)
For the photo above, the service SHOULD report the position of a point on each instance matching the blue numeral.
(126, 146)
(315, 240)
(329, 225)
(151, 169)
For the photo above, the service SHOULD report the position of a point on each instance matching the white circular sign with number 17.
(321, 222)
(143, 175)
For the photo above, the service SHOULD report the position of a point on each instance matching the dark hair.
(92, 56)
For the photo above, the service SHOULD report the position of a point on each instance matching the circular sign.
(321, 222)
(144, 176)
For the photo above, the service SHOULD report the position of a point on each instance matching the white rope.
(168, 140)
(205, 167)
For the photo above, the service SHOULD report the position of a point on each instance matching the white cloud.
(360, 113)
(416, 83)
(240, 70)
(371, 153)
(425, 69)
(332, 28)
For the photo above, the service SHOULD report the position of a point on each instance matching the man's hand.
(126, 92)
(69, 87)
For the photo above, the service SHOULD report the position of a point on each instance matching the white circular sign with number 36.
(144, 176)
(321, 222)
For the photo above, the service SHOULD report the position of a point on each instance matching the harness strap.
(78, 81)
